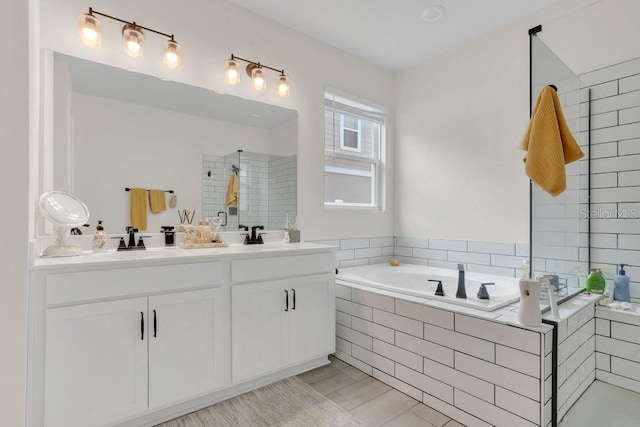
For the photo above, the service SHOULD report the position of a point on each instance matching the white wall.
(14, 175)
(461, 117)
(209, 32)
(120, 145)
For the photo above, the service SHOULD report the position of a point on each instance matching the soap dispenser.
(621, 286)
(100, 239)
(596, 282)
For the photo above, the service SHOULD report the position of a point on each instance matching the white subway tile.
(599, 151)
(425, 313)
(499, 248)
(511, 380)
(481, 389)
(603, 90)
(522, 249)
(461, 342)
(387, 251)
(507, 335)
(379, 260)
(630, 146)
(629, 84)
(403, 251)
(398, 355)
(412, 242)
(450, 245)
(376, 242)
(353, 263)
(507, 261)
(397, 384)
(457, 414)
(344, 254)
(361, 354)
(449, 265)
(343, 319)
(629, 115)
(622, 349)
(343, 345)
(548, 342)
(424, 348)
(580, 356)
(343, 292)
(354, 337)
(471, 257)
(492, 414)
(629, 241)
(354, 309)
(398, 323)
(618, 380)
(615, 164)
(625, 332)
(517, 360)
(430, 254)
(629, 179)
(432, 386)
(373, 329)
(354, 243)
(367, 253)
(383, 364)
(618, 316)
(367, 369)
(487, 269)
(613, 103)
(373, 300)
(603, 327)
(516, 404)
(602, 240)
(603, 362)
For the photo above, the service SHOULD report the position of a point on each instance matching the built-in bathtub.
(415, 280)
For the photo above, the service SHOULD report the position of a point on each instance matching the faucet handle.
(460, 267)
(439, 290)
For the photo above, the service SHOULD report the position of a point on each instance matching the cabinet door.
(259, 329)
(96, 363)
(312, 322)
(186, 345)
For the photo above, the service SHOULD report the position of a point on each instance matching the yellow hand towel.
(139, 208)
(232, 191)
(157, 201)
(549, 144)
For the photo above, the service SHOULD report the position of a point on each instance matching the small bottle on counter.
(595, 281)
(100, 239)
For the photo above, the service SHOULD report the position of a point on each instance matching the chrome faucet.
(462, 291)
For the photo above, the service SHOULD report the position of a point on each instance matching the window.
(353, 145)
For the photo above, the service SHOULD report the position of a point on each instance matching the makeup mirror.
(64, 211)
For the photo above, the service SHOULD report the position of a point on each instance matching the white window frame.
(358, 147)
(345, 104)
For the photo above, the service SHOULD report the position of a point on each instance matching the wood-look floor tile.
(344, 403)
(332, 383)
(454, 423)
(383, 408)
(431, 415)
(354, 373)
(323, 371)
(364, 390)
(407, 419)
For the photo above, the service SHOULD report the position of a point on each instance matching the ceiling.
(393, 33)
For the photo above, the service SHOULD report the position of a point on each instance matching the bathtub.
(414, 280)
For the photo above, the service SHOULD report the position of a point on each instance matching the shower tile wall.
(283, 191)
(615, 168)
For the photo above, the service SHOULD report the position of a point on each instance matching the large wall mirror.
(107, 129)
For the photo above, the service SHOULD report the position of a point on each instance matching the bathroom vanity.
(137, 338)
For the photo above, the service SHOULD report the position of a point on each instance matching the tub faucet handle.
(439, 290)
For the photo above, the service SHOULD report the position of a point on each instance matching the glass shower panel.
(559, 225)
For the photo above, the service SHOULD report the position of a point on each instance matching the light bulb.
(132, 40)
(172, 55)
(231, 74)
(90, 30)
(259, 83)
(283, 86)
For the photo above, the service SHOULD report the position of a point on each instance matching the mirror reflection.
(111, 129)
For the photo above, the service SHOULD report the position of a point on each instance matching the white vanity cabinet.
(143, 340)
(281, 322)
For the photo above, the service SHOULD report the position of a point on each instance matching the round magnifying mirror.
(64, 211)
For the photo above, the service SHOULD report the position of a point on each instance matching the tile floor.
(370, 401)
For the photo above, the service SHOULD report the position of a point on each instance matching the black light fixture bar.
(258, 64)
(92, 11)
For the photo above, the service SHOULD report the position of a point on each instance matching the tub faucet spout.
(462, 291)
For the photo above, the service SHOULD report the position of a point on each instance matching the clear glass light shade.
(132, 41)
(90, 30)
(283, 86)
(231, 73)
(172, 55)
(259, 82)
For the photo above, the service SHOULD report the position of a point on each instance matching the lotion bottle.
(621, 286)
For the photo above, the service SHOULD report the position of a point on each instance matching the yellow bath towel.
(157, 201)
(232, 191)
(549, 144)
(139, 208)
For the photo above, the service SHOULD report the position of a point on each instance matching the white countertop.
(176, 254)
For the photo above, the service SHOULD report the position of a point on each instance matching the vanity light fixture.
(256, 71)
(90, 32)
